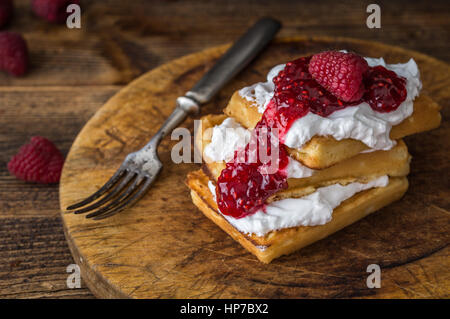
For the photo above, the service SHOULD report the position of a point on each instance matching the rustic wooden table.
(75, 71)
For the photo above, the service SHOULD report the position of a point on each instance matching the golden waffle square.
(360, 168)
(285, 241)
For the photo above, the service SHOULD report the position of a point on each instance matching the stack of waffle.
(327, 166)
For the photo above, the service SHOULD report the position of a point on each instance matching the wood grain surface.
(74, 72)
(164, 248)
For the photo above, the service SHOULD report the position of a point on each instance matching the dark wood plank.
(33, 249)
(34, 258)
(174, 26)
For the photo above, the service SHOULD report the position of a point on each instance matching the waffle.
(323, 151)
(285, 241)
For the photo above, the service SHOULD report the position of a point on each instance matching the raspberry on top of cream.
(331, 93)
(310, 210)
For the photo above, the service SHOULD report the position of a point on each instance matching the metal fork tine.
(128, 202)
(134, 185)
(110, 183)
(116, 190)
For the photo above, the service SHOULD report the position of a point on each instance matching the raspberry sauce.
(244, 185)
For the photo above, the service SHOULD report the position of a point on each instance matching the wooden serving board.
(164, 247)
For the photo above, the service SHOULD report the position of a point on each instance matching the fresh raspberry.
(340, 73)
(6, 11)
(38, 161)
(13, 53)
(52, 10)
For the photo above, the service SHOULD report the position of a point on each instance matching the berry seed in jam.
(243, 187)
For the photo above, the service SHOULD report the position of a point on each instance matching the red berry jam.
(244, 185)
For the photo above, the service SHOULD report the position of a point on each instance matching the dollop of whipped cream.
(230, 136)
(311, 210)
(358, 122)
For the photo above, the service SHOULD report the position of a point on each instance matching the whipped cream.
(226, 138)
(230, 136)
(311, 210)
(358, 122)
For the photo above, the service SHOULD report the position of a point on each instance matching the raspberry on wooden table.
(52, 10)
(38, 161)
(340, 73)
(13, 53)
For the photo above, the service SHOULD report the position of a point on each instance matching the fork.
(140, 169)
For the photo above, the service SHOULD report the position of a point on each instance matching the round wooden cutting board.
(163, 247)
